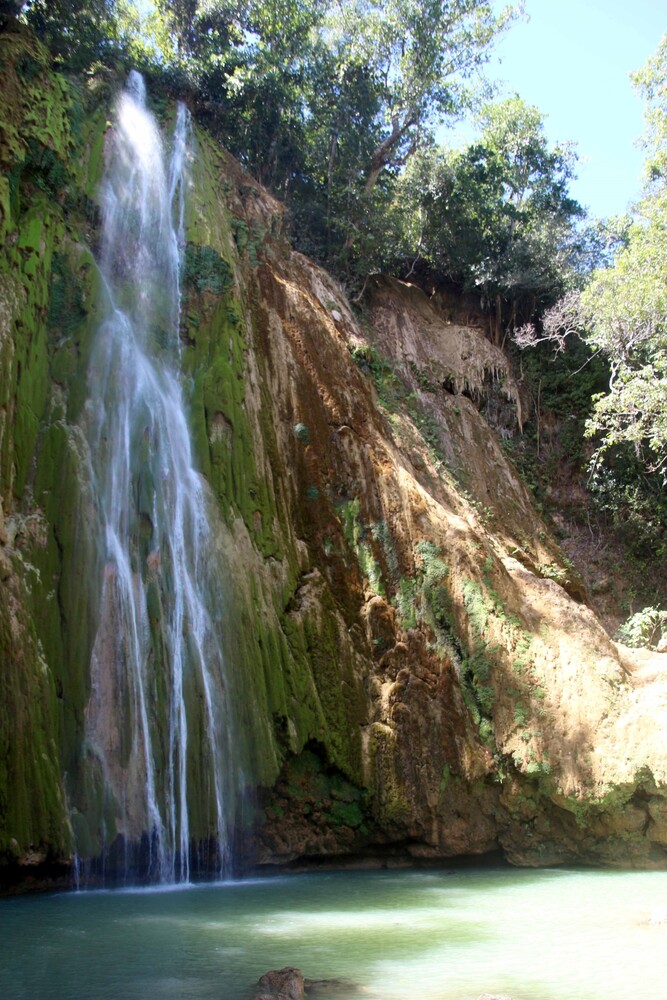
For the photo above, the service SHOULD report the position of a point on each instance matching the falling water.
(157, 726)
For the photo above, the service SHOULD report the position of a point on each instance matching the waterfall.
(158, 730)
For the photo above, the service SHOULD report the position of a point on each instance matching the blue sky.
(572, 59)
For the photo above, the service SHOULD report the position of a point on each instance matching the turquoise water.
(433, 935)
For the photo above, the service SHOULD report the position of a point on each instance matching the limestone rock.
(418, 661)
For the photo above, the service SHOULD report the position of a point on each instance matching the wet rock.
(285, 984)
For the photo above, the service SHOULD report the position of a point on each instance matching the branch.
(381, 155)
(558, 323)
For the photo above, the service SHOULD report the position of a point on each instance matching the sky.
(572, 59)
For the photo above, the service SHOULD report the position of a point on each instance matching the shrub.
(645, 628)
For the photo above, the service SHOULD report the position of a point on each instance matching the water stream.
(158, 730)
(433, 935)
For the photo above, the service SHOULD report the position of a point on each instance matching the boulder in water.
(285, 984)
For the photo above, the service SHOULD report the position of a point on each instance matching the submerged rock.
(290, 984)
(316, 988)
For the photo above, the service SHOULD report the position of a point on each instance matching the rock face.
(418, 673)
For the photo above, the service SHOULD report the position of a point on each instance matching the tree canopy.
(420, 53)
(324, 103)
(496, 217)
(335, 107)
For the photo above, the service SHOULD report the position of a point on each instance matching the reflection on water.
(436, 935)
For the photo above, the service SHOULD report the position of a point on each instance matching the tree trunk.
(382, 154)
(499, 312)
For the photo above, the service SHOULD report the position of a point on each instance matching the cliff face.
(415, 669)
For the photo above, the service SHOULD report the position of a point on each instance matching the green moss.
(337, 688)
(222, 432)
(40, 463)
(358, 537)
(315, 786)
(25, 386)
(206, 271)
(66, 305)
(478, 664)
(390, 802)
(446, 777)
(229, 430)
(32, 809)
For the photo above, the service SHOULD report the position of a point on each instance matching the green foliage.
(322, 791)
(394, 397)
(387, 384)
(633, 502)
(626, 305)
(45, 168)
(322, 103)
(559, 388)
(330, 218)
(423, 601)
(78, 32)
(644, 628)
(538, 768)
(420, 53)
(406, 602)
(66, 305)
(651, 82)
(436, 609)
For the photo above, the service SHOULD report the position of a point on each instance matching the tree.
(82, 32)
(77, 31)
(497, 216)
(651, 82)
(626, 304)
(420, 52)
(324, 103)
(340, 130)
(249, 61)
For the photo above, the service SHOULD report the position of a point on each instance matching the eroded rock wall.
(47, 153)
(416, 670)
